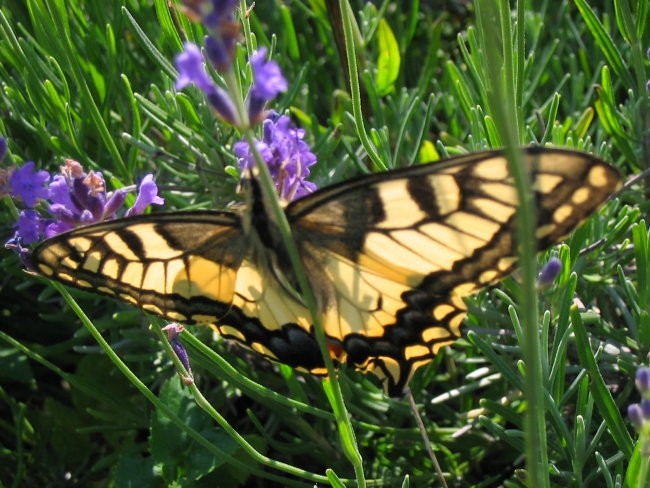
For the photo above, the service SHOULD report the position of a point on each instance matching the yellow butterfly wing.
(399, 250)
(183, 268)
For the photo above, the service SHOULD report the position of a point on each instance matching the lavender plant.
(93, 82)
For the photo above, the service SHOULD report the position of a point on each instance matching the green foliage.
(93, 81)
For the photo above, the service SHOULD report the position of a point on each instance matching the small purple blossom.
(549, 272)
(29, 226)
(147, 195)
(643, 380)
(29, 185)
(635, 414)
(639, 413)
(268, 79)
(191, 70)
(287, 156)
(268, 82)
(173, 331)
(59, 192)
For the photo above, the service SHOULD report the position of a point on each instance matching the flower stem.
(502, 71)
(355, 92)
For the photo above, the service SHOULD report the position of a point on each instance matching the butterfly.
(389, 256)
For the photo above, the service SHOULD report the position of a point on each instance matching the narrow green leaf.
(584, 122)
(605, 42)
(602, 395)
(333, 478)
(289, 33)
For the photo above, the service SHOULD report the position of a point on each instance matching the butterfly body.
(389, 256)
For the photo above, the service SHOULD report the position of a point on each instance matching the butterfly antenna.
(633, 181)
(425, 437)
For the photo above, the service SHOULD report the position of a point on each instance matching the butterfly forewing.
(390, 257)
(183, 269)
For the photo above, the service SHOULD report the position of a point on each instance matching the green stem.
(250, 388)
(332, 387)
(205, 405)
(355, 92)
(503, 106)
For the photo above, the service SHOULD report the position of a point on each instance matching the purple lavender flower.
(268, 76)
(549, 272)
(192, 70)
(287, 156)
(29, 185)
(217, 16)
(29, 226)
(173, 330)
(72, 199)
(147, 195)
(635, 414)
(268, 82)
(643, 380)
(639, 414)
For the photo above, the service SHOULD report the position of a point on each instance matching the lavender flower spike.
(219, 19)
(285, 153)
